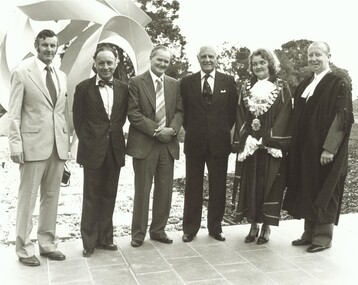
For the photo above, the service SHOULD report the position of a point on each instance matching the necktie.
(102, 83)
(207, 93)
(51, 85)
(160, 104)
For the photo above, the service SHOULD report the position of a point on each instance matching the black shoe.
(54, 255)
(316, 248)
(187, 237)
(300, 242)
(218, 236)
(110, 246)
(87, 252)
(136, 243)
(163, 240)
(30, 261)
(264, 235)
(253, 234)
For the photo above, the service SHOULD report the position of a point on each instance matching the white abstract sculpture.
(83, 24)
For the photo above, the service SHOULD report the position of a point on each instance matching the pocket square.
(223, 91)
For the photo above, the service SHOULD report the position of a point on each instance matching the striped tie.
(160, 104)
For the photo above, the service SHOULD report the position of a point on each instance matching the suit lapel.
(196, 86)
(116, 99)
(96, 95)
(217, 87)
(168, 93)
(148, 88)
(35, 76)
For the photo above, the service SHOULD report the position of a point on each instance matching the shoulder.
(224, 76)
(170, 79)
(85, 83)
(27, 64)
(120, 83)
(190, 77)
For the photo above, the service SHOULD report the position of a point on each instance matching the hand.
(164, 135)
(326, 157)
(17, 157)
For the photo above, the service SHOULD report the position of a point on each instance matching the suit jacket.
(141, 114)
(95, 131)
(208, 125)
(36, 125)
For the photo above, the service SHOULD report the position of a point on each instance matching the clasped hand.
(164, 135)
(17, 157)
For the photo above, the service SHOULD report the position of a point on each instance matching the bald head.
(207, 58)
(318, 55)
(321, 45)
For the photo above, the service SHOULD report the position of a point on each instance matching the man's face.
(46, 49)
(318, 58)
(159, 63)
(105, 63)
(207, 59)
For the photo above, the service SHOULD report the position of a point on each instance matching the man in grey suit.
(39, 142)
(155, 113)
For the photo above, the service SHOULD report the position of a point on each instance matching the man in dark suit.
(155, 114)
(209, 100)
(99, 113)
(39, 143)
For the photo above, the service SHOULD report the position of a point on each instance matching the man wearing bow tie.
(99, 113)
(209, 100)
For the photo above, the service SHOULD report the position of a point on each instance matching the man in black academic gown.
(319, 150)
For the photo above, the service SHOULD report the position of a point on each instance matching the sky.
(263, 23)
(269, 24)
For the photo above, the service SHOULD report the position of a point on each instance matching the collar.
(99, 78)
(43, 65)
(322, 74)
(212, 74)
(155, 77)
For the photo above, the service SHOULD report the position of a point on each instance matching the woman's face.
(260, 67)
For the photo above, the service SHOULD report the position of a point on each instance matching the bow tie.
(101, 83)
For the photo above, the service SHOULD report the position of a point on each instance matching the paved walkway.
(203, 261)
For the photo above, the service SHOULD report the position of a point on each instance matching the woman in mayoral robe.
(261, 140)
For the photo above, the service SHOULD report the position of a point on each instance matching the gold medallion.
(256, 124)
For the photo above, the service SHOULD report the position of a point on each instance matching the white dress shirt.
(43, 71)
(312, 86)
(107, 96)
(210, 80)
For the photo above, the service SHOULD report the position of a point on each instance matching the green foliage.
(233, 60)
(163, 31)
(292, 56)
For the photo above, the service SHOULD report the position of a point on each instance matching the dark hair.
(273, 63)
(159, 47)
(106, 46)
(44, 34)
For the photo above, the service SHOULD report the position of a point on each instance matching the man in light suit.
(39, 142)
(155, 120)
(99, 113)
(210, 101)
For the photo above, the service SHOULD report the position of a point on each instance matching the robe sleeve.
(279, 135)
(240, 128)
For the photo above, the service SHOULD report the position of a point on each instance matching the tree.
(294, 63)
(234, 60)
(163, 31)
